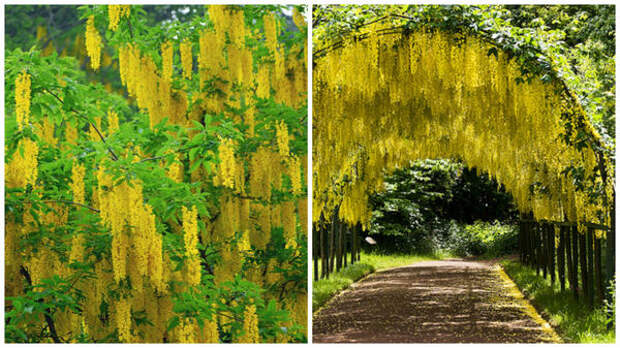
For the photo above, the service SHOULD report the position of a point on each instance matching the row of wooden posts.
(334, 246)
(565, 255)
(573, 259)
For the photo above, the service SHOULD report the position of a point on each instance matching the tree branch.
(73, 203)
(114, 156)
(47, 315)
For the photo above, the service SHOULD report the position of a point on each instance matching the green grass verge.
(572, 320)
(324, 289)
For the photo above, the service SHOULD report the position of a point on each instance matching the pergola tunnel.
(386, 96)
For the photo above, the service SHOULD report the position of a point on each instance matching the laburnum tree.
(173, 209)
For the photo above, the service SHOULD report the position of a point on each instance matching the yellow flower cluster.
(271, 32)
(283, 139)
(115, 13)
(151, 89)
(122, 315)
(22, 170)
(227, 167)
(190, 236)
(77, 183)
(386, 100)
(167, 51)
(187, 59)
(289, 224)
(93, 43)
(22, 99)
(294, 172)
(299, 20)
(250, 326)
(112, 122)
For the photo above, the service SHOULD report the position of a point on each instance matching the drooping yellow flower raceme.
(22, 170)
(93, 43)
(122, 314)
(112, 122)
(77, 183)
(294, 172)
(186, 58)
(283, 139)
(113, 16)
(299, 19)
(22, 99)
(115, 13)
(227, 166)
(289, 223)
(250, 326)
(167, 51)
(271, 32)
(190, 236)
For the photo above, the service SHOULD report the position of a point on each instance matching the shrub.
(483, 238)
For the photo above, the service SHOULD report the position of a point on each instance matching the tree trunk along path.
(448, 301)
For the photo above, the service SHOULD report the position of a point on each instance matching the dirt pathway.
(448, 301)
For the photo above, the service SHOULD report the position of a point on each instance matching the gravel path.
(447, 301)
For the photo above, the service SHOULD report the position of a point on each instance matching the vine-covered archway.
(387, 95)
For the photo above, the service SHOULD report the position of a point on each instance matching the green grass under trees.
(572, 320)
(324, 289)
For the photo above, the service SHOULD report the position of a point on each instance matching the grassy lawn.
(325, 289)
(573, 321)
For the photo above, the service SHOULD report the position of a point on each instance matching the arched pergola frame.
(387, 95)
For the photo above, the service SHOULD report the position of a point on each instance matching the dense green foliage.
(483, 239)
(427, 207)
(572, 319)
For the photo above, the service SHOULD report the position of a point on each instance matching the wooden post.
(575, 238)
(551, 252)
(583, 264)
(353, 243)
(610, 259)
(537, 247)
(544, 259)
(598, 270)
(345, 243)
(315, 250)
(323, 243)
(359, 243)
(569, 259)
(331, 248)
(339, 248)
(561, 268)
(521, 242)
(590, 254)
(533, 245)
(526, 243)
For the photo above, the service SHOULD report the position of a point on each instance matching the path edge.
(530, 310)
